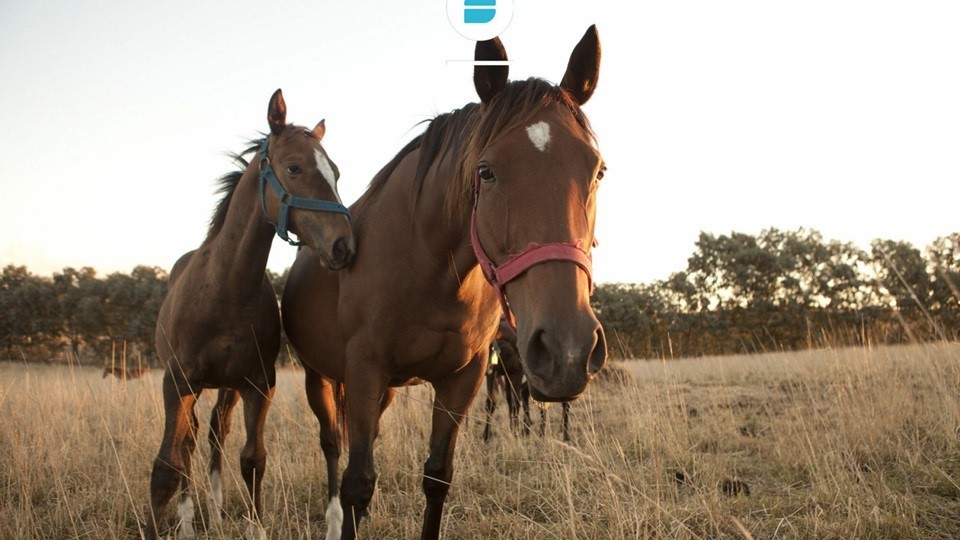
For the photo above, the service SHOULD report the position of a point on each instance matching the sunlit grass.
(830, 444)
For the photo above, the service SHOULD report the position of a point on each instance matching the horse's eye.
(293, 169)
(486, 173)
(601, 172)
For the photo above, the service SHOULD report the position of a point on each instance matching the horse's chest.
(433, 354)
(231, 358)
(226, 350)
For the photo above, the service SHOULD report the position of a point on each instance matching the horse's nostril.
(538, 356)
(598, 356)
(339, 252)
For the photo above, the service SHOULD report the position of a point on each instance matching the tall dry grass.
(846, 443)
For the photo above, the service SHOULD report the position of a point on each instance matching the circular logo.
(480, 19)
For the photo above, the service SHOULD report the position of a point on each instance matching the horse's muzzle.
(341, 254)
(560, 364)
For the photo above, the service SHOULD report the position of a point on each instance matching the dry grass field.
(845, 443)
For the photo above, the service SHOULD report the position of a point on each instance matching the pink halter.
(518, 263)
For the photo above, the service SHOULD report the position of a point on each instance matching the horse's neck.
(447, 233)
(239, 251)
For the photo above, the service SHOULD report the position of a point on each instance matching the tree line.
(786, 290)
(76, 314)
(779, 290)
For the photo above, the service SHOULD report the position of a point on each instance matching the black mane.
(228, 184)
(467, 131)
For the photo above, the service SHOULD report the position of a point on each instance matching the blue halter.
(288, 201)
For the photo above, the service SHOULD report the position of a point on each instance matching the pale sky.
(835, 115)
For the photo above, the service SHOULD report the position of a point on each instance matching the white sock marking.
(255, 531)
(185, 513)
(215, 500)
(323, 165)
(539, 134)
(334, 519)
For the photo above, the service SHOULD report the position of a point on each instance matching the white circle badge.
(480, 20)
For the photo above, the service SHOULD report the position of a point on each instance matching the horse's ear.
(490, 80)
(320, 129)
(277, 113)
(583, 70)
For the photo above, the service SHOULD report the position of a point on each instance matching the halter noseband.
(518, 263)
(288, 201)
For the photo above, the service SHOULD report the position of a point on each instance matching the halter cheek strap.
(288, 201)
(518, 263)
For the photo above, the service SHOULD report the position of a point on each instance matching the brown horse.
(125, 373)
(219, 325)
(507, 376)
(487, 193)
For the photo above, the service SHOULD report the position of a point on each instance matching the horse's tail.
(339, 398)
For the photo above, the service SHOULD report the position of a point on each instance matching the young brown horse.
(486, 193)
(219, 325)
(507, 375)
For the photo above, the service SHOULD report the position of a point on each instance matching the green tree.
(132, 303)
(902, 273)
(733, 271)
(943, 256)
(278, 280)
(80, 296)
(28, 314)
(631, 315)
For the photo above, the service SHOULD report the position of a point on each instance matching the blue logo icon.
(479, 11)
(480, 19)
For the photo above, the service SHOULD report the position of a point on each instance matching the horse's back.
(309, 312)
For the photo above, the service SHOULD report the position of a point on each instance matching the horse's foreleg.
(513, 401)
(170, 466)
(219, 428)
(566, 421)
(320, 396)
(185, 508)
(525, 399)
(364, 404)
(253, 457)
(453, 398)
(543, 421)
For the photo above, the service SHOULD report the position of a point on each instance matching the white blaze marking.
(539, 134)
(334, 519)
(323, 165)
(185, 513)
(215, 501)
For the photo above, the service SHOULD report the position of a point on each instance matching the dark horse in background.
(503, 192)
(506, 376)
(125, 373)
(219, 325)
